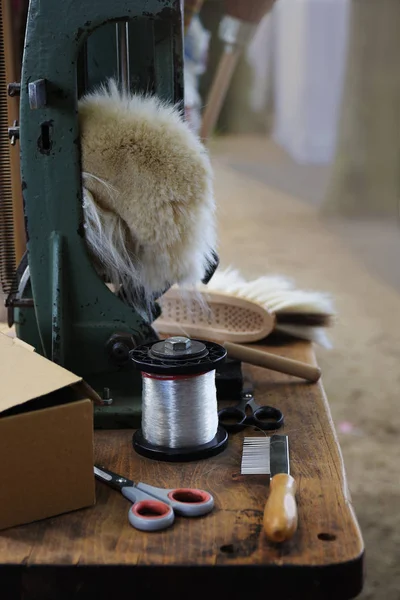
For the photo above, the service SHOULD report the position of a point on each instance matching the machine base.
(125, 408)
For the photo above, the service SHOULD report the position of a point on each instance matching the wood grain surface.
(323, 560)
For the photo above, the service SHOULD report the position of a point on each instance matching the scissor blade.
(248, 386)
(248, 396)
(112, 479)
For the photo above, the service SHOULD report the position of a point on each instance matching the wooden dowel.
(273, 362)
(190, 9)
(219, 88)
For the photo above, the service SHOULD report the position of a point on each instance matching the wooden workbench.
(95, 551)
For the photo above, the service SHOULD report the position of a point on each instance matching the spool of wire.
(179, 400)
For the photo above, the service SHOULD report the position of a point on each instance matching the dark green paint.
(74, 312)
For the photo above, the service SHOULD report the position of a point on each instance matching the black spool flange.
(199, 357)
(214, 447)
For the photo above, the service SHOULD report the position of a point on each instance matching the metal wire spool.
(179, 402)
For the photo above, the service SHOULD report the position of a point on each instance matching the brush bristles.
(256, 456)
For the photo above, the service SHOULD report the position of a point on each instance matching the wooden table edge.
(66, 582)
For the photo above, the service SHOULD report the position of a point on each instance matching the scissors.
(234, 418)
(153, 508)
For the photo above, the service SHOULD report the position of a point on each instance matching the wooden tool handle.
(190, 9)
(280, 513)
(251, 11)
(219, 88)
(273, 362)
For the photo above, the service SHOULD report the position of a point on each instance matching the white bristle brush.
(270, 455)
(236, 310)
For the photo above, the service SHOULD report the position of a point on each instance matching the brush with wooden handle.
(271, 361)
(236, 29)
(270, 455)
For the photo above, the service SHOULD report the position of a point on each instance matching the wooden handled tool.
(271, 455)
(190, 9)
(236, 28)
(220, 85)
(251, 11)
(280, 513)
(273, 362)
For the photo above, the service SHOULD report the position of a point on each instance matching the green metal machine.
(61, 306)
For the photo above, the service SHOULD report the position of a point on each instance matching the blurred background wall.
(289, 81)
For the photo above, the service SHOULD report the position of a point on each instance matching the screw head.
(13, 133)
(120, 351)
(107, 397)
(119, 346)
(177, 344)
(14, 89)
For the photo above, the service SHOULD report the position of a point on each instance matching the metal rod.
(57, 291)
(122, 32)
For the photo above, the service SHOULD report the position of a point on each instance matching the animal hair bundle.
(149, 208)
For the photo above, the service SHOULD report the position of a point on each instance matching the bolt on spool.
(178, 348)
(176, 345)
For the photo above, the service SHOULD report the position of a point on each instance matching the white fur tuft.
(148, 192)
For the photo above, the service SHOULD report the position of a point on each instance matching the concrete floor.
(376, 243)
(270, 223)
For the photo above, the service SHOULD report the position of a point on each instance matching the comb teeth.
(256, 456)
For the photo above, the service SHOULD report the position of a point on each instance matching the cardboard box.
(46, 437)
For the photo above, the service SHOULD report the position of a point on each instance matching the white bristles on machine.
(256, 456)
